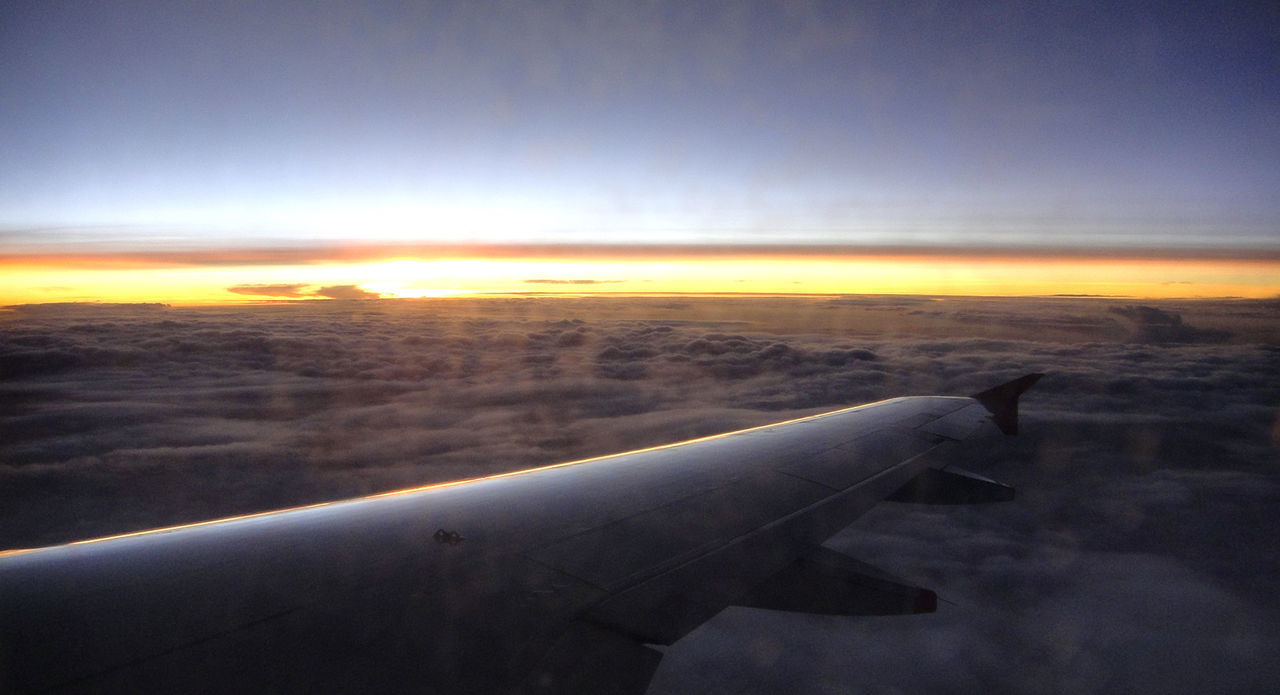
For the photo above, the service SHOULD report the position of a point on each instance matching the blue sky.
(832, 123)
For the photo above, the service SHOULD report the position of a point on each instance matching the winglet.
(1002, 401)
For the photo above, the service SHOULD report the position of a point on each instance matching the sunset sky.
(194, 153)
(278, 156)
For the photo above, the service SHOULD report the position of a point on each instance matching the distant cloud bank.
(299, 291)
(270, 290)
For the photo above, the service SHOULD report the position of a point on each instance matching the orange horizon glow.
(209, 277)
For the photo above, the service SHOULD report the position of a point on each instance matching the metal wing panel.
(747, 480)
(625, 551)
(673, 533)
(847, 464)
(959, 424)
(669, 605)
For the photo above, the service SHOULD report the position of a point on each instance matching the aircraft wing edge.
(828, 582)
(1002, 401)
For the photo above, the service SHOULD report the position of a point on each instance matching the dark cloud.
(299, 291)
(346, 292)
(270, 290)
(35, 362)
(1114, 630)
(69, 309)
(1153, 325)
(1138, 555)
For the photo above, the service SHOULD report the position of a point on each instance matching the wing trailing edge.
(1002, 401)
(830, 583)
(951, 486)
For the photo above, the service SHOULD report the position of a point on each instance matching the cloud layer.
(1138, 555)
(300, 291)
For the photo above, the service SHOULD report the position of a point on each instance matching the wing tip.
(1002, 401)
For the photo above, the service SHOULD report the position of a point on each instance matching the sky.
(152, 151)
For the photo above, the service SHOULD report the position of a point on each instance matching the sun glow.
(345, 274)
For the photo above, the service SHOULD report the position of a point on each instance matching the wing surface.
(552, 580)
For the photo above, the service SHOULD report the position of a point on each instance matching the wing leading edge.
(551, 580)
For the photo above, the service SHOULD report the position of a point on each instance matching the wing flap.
(951, 486)
(848, 464)
(958, 425)
(627, 551)
(667, 606)
(830, 583)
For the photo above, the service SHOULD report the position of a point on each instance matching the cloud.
(1115, 630)
(346, 292)
(298, 291)
(1153, 325)
(270, 290)
(1144, 469)
(69, 309)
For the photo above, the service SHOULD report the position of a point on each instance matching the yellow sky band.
(128, 279)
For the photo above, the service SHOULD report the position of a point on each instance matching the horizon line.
(462, 296)
(319, 253)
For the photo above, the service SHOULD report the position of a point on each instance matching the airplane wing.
(552, 580)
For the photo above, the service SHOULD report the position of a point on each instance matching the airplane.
(562, 579)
